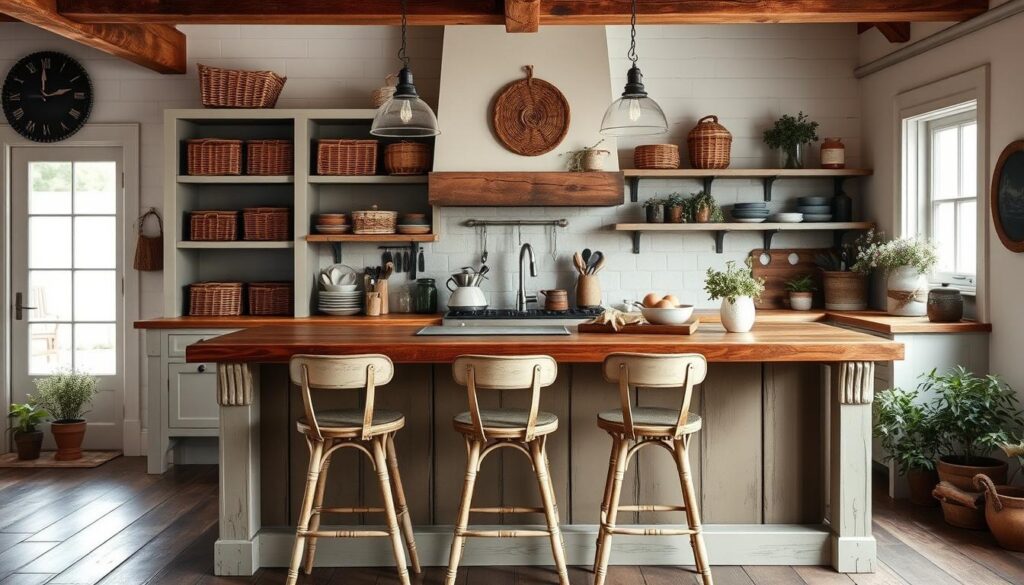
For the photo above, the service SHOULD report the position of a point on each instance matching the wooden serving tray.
(688, 328)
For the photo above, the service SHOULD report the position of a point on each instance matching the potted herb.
(906, 261)
(909, 437)
(655, 209)
(801, 292)
(737, 288)
(703, 208)
(843, 277)
(675, 209)
(588, 158)
(64, 395)
(27, 437)
(789, 136)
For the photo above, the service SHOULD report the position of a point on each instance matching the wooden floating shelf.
(369, 180)
(337, 238)
(235, 245)
(237, 179)
(769, 229)
(767, 176)
(526, 189)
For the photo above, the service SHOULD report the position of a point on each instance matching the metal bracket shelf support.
(768, 182)
(837, 183)
(720, 241)
(707, 184)
(768, 235)
(636, 242)
(634, 189)
(336, 251)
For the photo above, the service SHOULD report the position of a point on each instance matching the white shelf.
(236, 245)
(236, 179)
(369, 179)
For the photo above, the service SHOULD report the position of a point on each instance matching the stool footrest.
(348, 510)
(504, 533)
(344, 533)
(508, 510)
(651, 508)
(651, 531)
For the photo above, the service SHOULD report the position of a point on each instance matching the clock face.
(47, 96)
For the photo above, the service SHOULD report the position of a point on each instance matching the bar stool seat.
(349, 422)
(503, 422)
(650, 421)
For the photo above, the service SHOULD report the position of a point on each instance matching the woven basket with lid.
(709, 144)
(374, 221)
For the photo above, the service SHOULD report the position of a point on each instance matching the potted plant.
(64, 395)
(703, 208)
(27, 437)
(588, 158)
(843, 277)
(906, 261)
(655, 209)
(737, 288)
(675, 209)
(789, 136)
(907, 433)
(801, 292)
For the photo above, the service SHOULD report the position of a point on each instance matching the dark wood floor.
(117, 525)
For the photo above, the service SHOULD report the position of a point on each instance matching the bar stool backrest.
(643, 370)
(531, 372)
(353, 372)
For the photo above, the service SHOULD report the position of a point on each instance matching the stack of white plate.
(341, 302)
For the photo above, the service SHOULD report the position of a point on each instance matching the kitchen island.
(783, 461)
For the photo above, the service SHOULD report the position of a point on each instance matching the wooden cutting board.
(688, 328)
(779, 270)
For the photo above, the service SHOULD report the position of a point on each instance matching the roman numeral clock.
(47, 96)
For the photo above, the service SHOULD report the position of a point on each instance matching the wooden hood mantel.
(526, 189)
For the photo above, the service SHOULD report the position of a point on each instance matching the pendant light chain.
(632, 36)
(405, 25)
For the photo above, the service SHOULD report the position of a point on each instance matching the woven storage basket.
(531, 116)
(229, 88)
(265, 223)
(374, 221)
(656, 156)
(215, 299)
(213, 226)
(709, 144)
(407, 158)
(383, 94)
(270, 298)
(269, 157)
(213, 156)
(346, 157)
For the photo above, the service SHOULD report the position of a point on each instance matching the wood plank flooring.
(117, 525)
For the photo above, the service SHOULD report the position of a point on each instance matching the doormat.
(89, 459)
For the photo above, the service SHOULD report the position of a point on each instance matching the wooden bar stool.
(368, 430)
(633, 428)
(486, 431)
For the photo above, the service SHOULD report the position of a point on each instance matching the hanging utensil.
(398, 262)
(421, 262)
(406, 263)
(483, 238)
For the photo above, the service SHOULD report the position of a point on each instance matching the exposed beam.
(156, 46)
(522, 16)
(444, 12)
(894, 32)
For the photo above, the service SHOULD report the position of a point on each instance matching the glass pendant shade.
(405, 115)
(634, 114)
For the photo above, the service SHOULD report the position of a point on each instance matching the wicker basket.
(656, 156)
(213, 156)
(374, 222)
(269, 157)
(383, 94)
(265, 223)
(407, 158)
(346, 157)
(228, 88)
(709, 144)
(213, 226)
(270, 298)
(215, 299)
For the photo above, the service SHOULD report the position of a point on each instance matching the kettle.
(465, 296)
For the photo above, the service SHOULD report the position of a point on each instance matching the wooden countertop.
(882, 322)
(768, 342)
(248, 321)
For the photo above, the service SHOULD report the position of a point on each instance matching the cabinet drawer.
(177, 342)
(192, 396)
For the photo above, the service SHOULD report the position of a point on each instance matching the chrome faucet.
(521, 297)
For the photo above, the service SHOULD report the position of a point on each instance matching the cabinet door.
(192, 396)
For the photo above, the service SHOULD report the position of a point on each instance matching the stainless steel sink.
(494, 330)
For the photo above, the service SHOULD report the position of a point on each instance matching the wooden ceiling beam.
(156, 46)
(522, 16)
(550, 12)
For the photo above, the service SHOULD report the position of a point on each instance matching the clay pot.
(674, 214)
(960, 508)
(702, 214)
(1004, 512)
(953, 470)
(29, 445)
(921, 483)
(69, 436)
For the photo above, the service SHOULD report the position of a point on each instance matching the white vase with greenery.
(737, 288)
(906, 262)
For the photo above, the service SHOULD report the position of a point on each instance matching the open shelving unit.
(767, 177)
(719, 230)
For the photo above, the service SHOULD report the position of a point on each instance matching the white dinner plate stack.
(341, 302)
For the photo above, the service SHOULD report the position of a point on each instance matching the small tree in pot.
(27, 437)
(64, 395)
(907, 432)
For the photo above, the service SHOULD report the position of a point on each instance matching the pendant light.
(405, 115)
(633, 114)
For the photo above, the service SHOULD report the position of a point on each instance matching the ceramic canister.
(945, 305)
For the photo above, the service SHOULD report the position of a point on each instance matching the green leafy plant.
(674, 200)
(653, 202)
(917, 253)
(64, 395)
(801, 284)
(26, 416)
(702, 200)
(790, 132)
(574, 164)
(732, 283)
(973, 415)
(905, 429)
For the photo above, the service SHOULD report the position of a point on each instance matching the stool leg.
(700, 554)
(400, 505)
(605, 535)
(547, 496)
(380, 462)
(315, 452)
(314, 523)
(472, 463)
(607, 492)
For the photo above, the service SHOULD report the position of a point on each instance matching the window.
(953, 195)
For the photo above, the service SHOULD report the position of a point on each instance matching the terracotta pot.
(702, 214)
(845, 291)
(29, 445)
(921, 483)
(953, 470)
(960, 508)
(69, 436)
(674, 214)
(1004, 512)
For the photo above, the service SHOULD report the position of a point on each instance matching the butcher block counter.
(782, 462)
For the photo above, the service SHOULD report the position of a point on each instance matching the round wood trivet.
(531, 116)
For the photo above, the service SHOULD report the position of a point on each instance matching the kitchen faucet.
(521, 297)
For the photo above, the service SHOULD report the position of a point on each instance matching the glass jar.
(400, 300)
(833, 154)
(791, 156)
(424, 296)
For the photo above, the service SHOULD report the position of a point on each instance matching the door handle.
(19, 309)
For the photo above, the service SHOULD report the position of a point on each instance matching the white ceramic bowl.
(339, 287)
(675, 316)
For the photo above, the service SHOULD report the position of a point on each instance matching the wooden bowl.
(332, 219)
